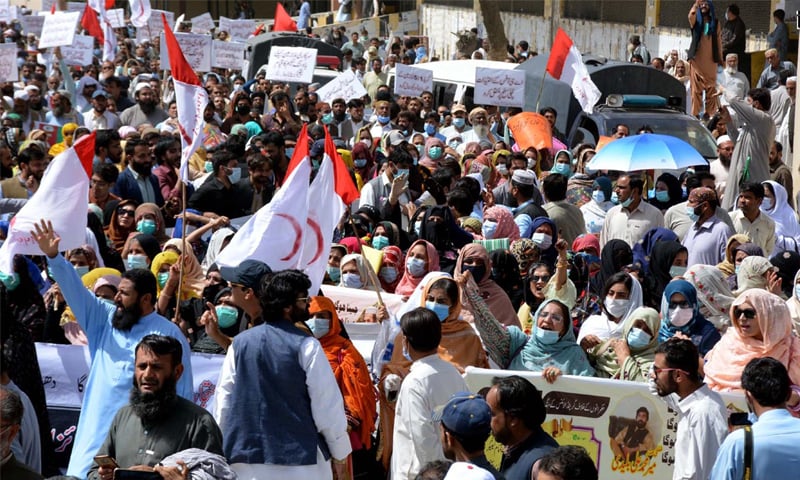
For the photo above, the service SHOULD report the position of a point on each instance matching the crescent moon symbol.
(298, 235)
(318, 233)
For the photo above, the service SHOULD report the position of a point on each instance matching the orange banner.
(531, 130)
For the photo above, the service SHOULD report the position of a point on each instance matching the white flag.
(140, 12)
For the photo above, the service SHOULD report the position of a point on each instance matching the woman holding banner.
(631, 357)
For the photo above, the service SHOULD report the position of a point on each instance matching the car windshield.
(692, 132)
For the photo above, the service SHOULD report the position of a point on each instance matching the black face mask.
(210, 292)
(242, 110)
(477, 271)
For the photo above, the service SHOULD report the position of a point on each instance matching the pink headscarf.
(408, 283)
(726, 361)
(506, 228)
(426, 161)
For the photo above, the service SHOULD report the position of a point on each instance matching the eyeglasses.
(302, 299)
(748, 313)
(124, 212)
(540, 278)
(239, 285)
(555, 317)
(684, 304)
(657, 370)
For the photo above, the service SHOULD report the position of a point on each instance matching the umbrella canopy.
(647, 151)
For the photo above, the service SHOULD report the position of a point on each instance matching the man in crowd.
(779, 172)
(61, 111)
(775, 70)
(23, 104)
(459, 126)
(703, 423)
(220, 194)
(465, 426)
(620, 131)
(721, 166)
(704, 54)
(708, 235)
(137, 182)
(732, 79)
(633, 217)
(259, 186)
(146, 109)
(524, 192)
(11, 413)
(32, 164)
(350, 126)
(301, 433)
(569, 462)
(157, 422)
(734, 32)
(775, 435)
(110, 330)
(749, 219)
(567, 216)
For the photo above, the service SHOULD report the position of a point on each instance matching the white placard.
(292, 64)
(47, 5)
(196, 48)
(237, 29)
(116, 16)
(154, 26)
(76, 6)
(59, 29)
(412, 81)
(501, 88)
(202, 23)
(227, 54)
(32, 24)
(80, 52)
(8, 62)
(345, 86)
(5, 11)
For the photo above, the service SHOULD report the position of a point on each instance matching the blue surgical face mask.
(459, 122)
(360, 162)
(406, 354)
(675, 271)
(383, 120)
(289, 152)
(162, 278)
(614, 198)
(488, 229)
(662, 196)
(319, 326)
(209, 167)
(11, 281)
(402, 172)
(420, 148)
(352, 280)
(136, 261)
(417, 227)
(415, 266)
(379, 241)
(327, 119)
(627, 203)
(235, 175)
(562, 169)
(546, 337)
(638, 338)
(736, 269)
(453, 144)
(430, 129)
(226, 315)
(797, 291)
(388, 274)
(435, 152)
(693, 216)
(334, 273)
(599, 196)
(82, 270)
(440, 309)
(146, 226)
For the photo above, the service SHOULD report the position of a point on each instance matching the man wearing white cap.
(720, 167)
(61, 111)
(146, 109)
(22, 107)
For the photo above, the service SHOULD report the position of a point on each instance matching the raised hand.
(46, 236)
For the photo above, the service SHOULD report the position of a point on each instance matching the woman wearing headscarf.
(352, 376)
(150, 221)
(757, 272)
(545, 236)
(762, 327)
(122, 224)
(642, 250)
(794, 303)
(460, 345)
(219, 240)
(67, 132)
(421, 259)
(788, 264)
(475, 259)
(505, 272)
(26, 304)
(498, 222)
(776, 206)
(141, 251)
(616, 254)
(727, 266)
(631, 357)
(680, 313)
(668, 260)
(594, 211)
(563, 163)
(355, 273)
(391, 269)
(581, 184)
(434, 151)
(667, 192)
(621, 296)
(713, 293)
(363, 164)
(526, 253)
(739, 254)
(440, 229)
(385, 234)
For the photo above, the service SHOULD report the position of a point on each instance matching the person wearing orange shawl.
(352, 376)
(762, 327)
(460, 346)
(475, 258)
(391, 266)
(421, 259)
(122, 224)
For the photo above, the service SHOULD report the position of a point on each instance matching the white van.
(454, 80)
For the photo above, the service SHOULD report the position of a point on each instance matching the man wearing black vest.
(277, 401)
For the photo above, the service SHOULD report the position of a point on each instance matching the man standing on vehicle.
(705, 53)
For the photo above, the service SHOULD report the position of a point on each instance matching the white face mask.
(617, 308)
(543, 240)
(680, 317)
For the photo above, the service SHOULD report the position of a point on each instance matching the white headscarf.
(215, 246)
(786, 225)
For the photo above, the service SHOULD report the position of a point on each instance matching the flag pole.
(541, 88)
(182, 257)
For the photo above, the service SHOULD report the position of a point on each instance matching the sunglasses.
(123, 212)
(684, 304)
(748, 313)
(540, 278)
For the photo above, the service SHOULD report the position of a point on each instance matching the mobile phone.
(106, 461)
(120, 474)
(739, 419)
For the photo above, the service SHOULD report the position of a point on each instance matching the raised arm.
(495, 337)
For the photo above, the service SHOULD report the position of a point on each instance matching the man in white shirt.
(633, 217)
(749, 220)
(703, 423)
(459, 122)
(430, 384)
(99, 118)
(732, 79)
(721, 166)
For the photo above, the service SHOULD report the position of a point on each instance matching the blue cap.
(467, 415)
(248, 273)
(318, 148)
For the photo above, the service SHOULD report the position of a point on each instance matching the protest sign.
(292, 64)
(76, 6)
(32, 24)
(5, 11)
(412, 81)
(202, 23)
(50, 129)
(154, 26)
(501, 88)
(80, 52)
(227, 54)
(531, 130)
(116, 16)
(239, 30)
(345, 86)
(8, 62)
(195, 47)
(59, 29)
(47, 5)
(593, 412)
(356, 305)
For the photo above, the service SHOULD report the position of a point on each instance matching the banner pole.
(183, 255)
(541, 88)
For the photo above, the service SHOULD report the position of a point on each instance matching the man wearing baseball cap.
(245, 280)
(465, 425)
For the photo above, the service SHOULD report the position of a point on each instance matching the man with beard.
(721, 166)
(112, 330)
(31, 169)
(703, 423)
(61, 111)
(635, 439)
(23, 106)
(732, 79)
(292, 435)
(99, 118)
(349, 127)
(259, 186)
(137, 181)
(113, 85)
(517, 416)
(157, 422)
(146, 109)
(479, 119)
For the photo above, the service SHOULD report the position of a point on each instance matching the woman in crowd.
(122, 224)
(432, 153)
(631, 357)
(713, 293)
(385, 234)
(421, 259)
(621, 296)
(141, 251)
(681, 316)
(363, 163)
(667, 193)
(355, 273)
(757, 272)
(761, 327)
(216, 336)
(739, 254)
(545, 236)
(25, 303)
(150, 221)
(498, 223)
(667, 261)
(594, 211)
(643, 249)
(776, 206)
(563, 163)
(580, 186)
(615, 256)
(505, 272)
(391, 269)
(728, 266)
(219, 240)
(475, 259)
(545, 285)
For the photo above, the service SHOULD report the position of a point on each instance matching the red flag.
(283, 21)
(345, 187)
(91, 24)
(300, 151)
(110, 4)
(190, 98)
(566, 64)
(53, 9)
(558, 54)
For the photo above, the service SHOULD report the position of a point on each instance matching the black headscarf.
(788, 263)
(615, 255)
(149, 244)
(661, 258)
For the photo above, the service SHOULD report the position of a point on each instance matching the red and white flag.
(325, 209)
(566, 64)
(140, 12)
(190, 99)
(103, 32)
(62, 198)
(275, 233)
